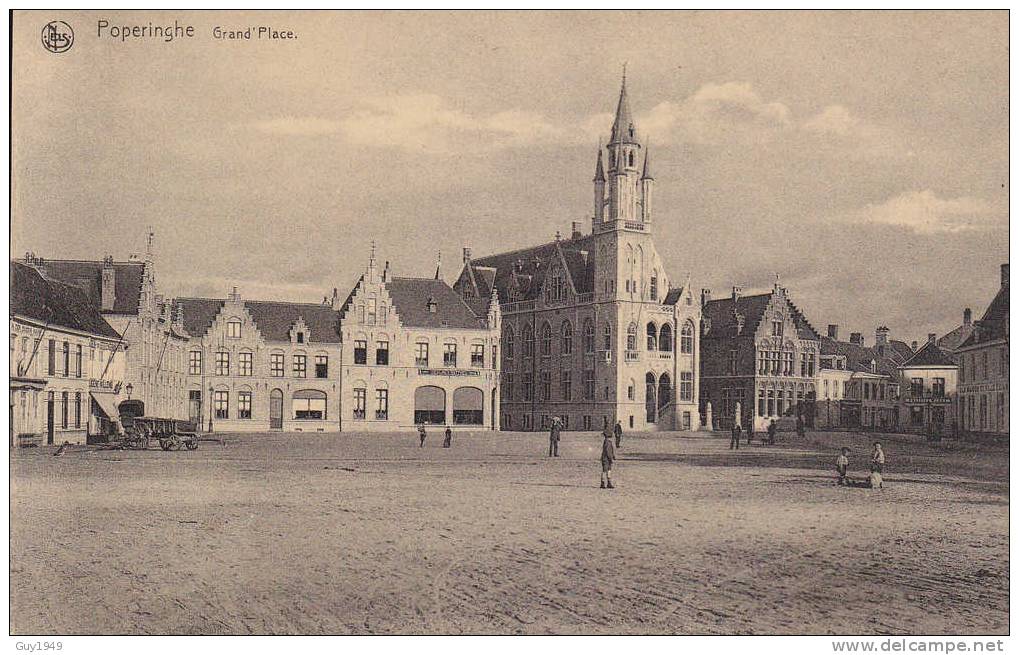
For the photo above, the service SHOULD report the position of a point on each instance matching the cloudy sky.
(863, 157)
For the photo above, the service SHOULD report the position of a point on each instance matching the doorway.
(276, 410)
(195, 407)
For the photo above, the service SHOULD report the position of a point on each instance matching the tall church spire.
(599, 170)
(647, 164)
(623, 129)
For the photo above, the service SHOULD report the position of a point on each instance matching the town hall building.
(593, 329)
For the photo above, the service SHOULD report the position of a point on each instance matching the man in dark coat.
(737, 434)
(449, 438)
(553, 438)
(608, 456)
(618, 432)
(422, 434)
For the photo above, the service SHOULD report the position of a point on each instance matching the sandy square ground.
(355, 533)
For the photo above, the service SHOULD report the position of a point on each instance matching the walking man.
(553, 438)
(448, 441)
(608, 455)
(737, 434)
(422, 434)
(877, 464)
(618, 431)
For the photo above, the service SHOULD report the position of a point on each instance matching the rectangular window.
(528, 387)
(477, 355)
(322, 366)
(195, 362)
(686, 386)
(77, 407)
(52, 368)
(421, 355)
(300, 366)
(77, 361)
(589, 384)
(67, 360)
(587, 422)
(222, 363)
(916, 387)
(221, 402)
(507, 393)
(733, 360)
(546, 386)
(449, 354)
(233, 329)
(63, 409)
(381, 404)
(760, 403)
(372, 304)
(360, 352)
(360, 403)
(776, 328)
(654, 288)
(276, 365)
(938, 387)
(245, 362)
(771, 402)
(566, 385)
(866, 391)
(244, 404)
(382, 353)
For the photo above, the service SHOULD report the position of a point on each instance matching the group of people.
(612, 438)
(446, 443)
(877, 463)
(737, 434)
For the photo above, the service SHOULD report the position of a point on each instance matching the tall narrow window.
(221, 400)
(67, 359)
(607, 337)
(245, 364)
(478, 355)
(567, 338)
(321, 366)
(508, 339)
(63, 408)
(233, 328)
(382, 404)
(77, 361)
(566, 385)
(686, 339)
(244, 404)
(588, 336)
(77, 409)
(195, 362)
(421, 354)
(528, 341)
(300, 366)
(52, 363)
(360, 403)
(546, 340)
(382, 353)
(222, 363)
(360, 351)
(449, 354)
(276, 365)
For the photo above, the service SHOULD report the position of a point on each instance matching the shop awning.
(107, 404)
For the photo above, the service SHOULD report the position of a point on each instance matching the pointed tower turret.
(599, 192)
(647, 182)
(438, 267)
(624, 160)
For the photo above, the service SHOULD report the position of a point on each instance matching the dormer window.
(432, 305)
(233, 328)
(300, 337)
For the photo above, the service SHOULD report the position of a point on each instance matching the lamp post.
(212, 409)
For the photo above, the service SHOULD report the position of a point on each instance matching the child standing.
(608, 455)
(842, 466)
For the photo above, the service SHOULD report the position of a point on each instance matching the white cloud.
(297, 126)
(837, 127)
(924, 212)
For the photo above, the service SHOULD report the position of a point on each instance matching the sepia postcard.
(684, 323)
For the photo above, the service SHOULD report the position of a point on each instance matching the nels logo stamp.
(57, 36)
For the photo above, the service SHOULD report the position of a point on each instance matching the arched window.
(546, 340)
(607, 337)
(567, 338)
(429, 405)
(528, 341)
(652, 337)
(631, 337)
(665, 338)
(508, 343)
(588, 336)
(650, 395)
(686, 339)
(664, 391)
(468, 406)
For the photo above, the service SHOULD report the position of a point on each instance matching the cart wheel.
(192, 444)
(165, 444)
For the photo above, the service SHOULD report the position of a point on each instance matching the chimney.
(705, 297)
(335, 298)
(881, 335)
(833, 331)
(109, 288)
(179, 319)
(856, 338)
(967, 316)
(1004, 274)
(932, 337)
(575, 230)
(234, 295)
(467, 254)
(387, 273)
(913, 346)
(737, 292)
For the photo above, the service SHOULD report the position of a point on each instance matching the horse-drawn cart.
(139, 430)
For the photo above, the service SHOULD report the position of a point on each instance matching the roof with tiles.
(36, 296)
(723, 320)
(411, 296)
(859, 358)
(994, 324)
(88, 276)
(519, 274)
(928, 355)
(272, 319)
